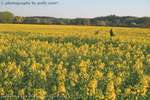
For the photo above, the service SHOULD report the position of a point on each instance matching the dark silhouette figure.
(97, 32)
(111, 33)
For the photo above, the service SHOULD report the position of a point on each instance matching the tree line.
(112, 20)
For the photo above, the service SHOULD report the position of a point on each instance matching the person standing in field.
(111, 33)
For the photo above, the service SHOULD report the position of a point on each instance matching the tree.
(32, 20)
(18, 19)
(101, 23)
(6, 17)
(146, 21)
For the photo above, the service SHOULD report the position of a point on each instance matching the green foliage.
(112, 20)
(6, 17)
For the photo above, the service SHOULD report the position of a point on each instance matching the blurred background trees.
(112, 20)
(6, 17)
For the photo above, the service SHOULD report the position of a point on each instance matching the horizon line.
(75, 17)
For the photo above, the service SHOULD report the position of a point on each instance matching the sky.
(80, 8)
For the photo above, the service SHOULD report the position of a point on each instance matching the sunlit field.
(74, 63)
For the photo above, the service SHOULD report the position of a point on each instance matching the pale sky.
(81, 8)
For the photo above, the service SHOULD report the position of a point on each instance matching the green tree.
(6, 17)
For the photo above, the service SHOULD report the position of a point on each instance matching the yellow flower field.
(47, 62)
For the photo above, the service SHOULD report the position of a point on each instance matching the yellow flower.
(148, 58)
(43, 75)
(118, 81)
(127, 55)
(102, 65)
(110, 74)
(110, 91)
(61, 72)
(11, 66)
(2, 92)
(34, 67)
(21, 92)
(15, 70)
(18, 72)
(47, 68)
(83, 66)
(61, 88)
(144, 86)
(73, 77)
(91, 90)
(40, 94)
(138, 66)
(128, 91)
(22, 53)
(98, 75)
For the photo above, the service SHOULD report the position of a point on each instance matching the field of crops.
(74, 63)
